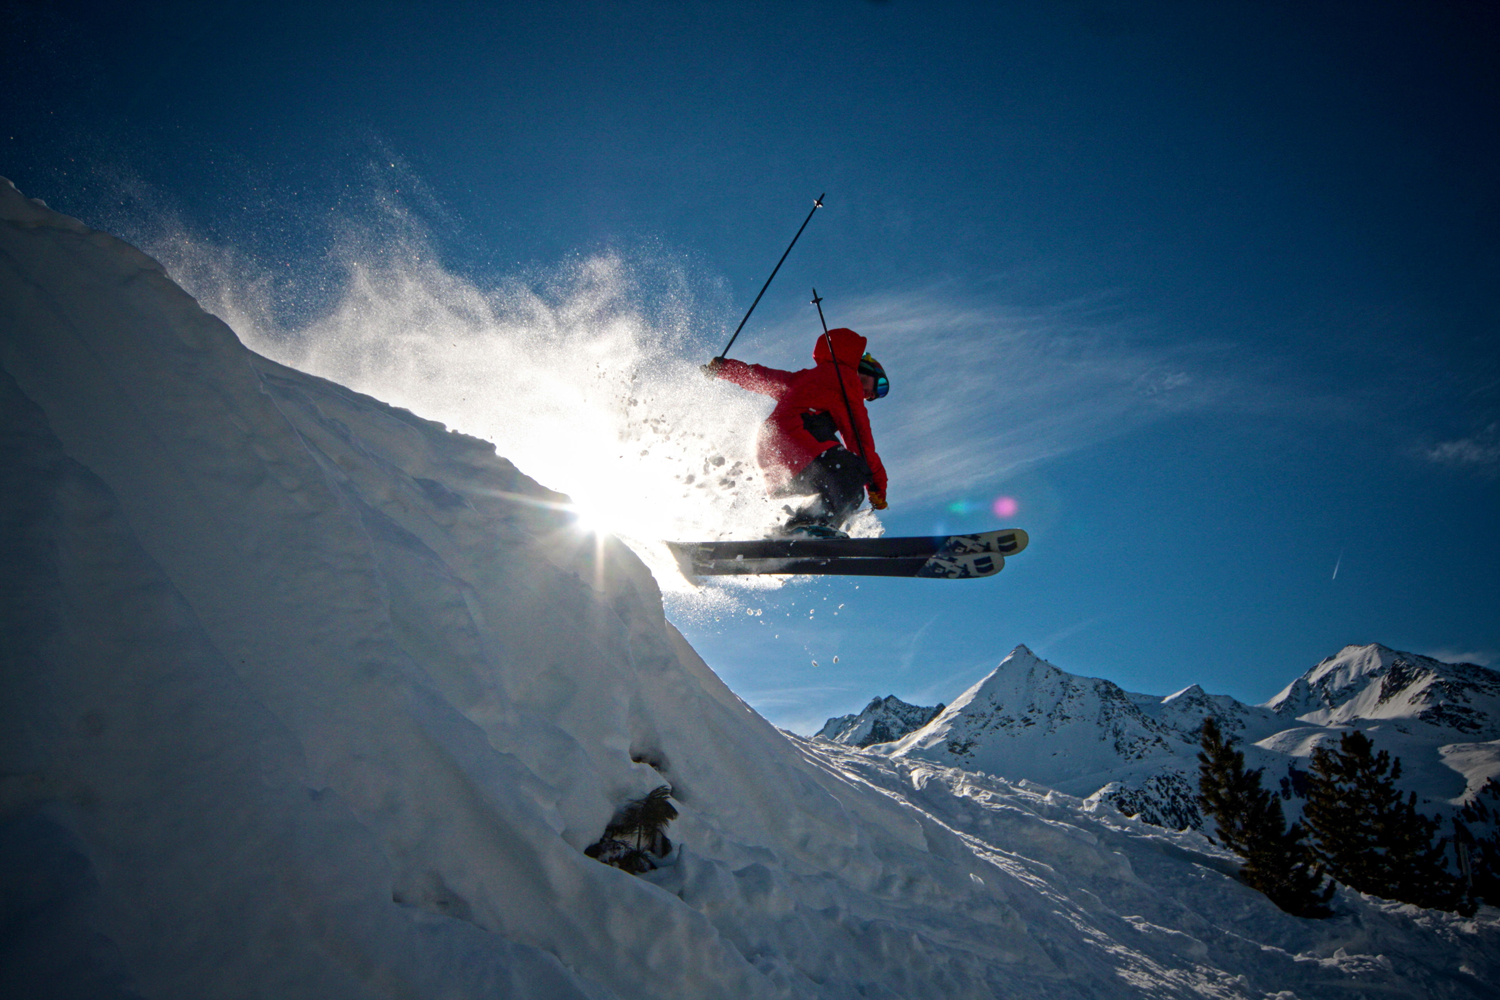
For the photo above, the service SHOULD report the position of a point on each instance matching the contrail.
(1336, 564)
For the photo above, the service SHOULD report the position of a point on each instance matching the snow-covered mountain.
(881, 721)
(1087, 737)
(1185, 711)
(1371, 684)
(305, 696)
(1046, 724)
(1080, 735)
(1441, 719)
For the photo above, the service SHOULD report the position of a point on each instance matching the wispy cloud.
(1457, 654)
(979, 389)
(1479, 452)
(1044, 647)
(799, 708)
(946, 688)
(774, 698)
(908, 656)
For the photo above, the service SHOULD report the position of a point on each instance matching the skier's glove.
(712, 368)
(877, 500)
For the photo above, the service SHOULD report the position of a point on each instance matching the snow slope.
(304, 696)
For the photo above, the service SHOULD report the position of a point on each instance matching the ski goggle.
(869, 366)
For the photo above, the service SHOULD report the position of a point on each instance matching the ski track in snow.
(307, 696)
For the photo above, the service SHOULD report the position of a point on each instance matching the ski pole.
(817, 204)
(859, 445)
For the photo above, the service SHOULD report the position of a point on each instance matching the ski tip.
(1007, 542)
(1018, 541)
(967, 566)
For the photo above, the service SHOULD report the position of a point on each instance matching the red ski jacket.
(792, 436)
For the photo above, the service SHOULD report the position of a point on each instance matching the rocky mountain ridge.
(1086, 736)
(1370, 683)
(881, 721)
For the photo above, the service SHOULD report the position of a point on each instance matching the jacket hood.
(848, 345)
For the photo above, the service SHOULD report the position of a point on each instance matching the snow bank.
(306, 696)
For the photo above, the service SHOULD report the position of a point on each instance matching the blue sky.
(1207, 289)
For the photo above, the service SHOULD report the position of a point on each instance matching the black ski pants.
(837, 479)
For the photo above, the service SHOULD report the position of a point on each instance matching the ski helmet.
(869, 366)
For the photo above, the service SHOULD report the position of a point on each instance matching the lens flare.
(1005, 506)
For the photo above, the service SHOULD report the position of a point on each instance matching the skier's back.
(817, 439)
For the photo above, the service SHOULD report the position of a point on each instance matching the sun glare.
(590, 519)
(602, 395)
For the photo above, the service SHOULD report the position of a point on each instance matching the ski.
(1006, 543)
(907, 566)
(951, 557)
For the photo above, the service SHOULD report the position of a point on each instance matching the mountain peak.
(1190, 693)
(1029, 717)
(882, 721)
(1373, 682)
(1355, 661)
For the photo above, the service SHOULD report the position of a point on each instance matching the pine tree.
(1369, 836)
(1476, 839)
(637, 833)
(1281, 865)
(1225, 791)
(1251, 823)
(646, 820)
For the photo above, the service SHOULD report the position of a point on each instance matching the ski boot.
(808, 528)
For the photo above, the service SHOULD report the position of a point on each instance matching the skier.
(817, 440)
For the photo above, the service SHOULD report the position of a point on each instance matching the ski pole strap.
(859, 445)
(817, 204)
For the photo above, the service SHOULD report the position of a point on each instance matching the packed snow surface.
(306, 696)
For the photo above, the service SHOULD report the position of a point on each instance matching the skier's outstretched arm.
(756, 378)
